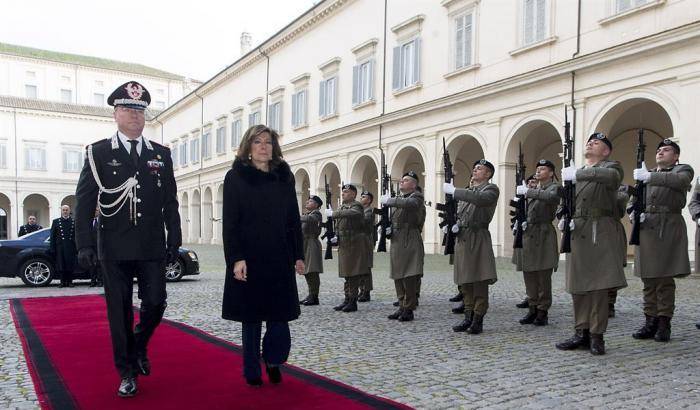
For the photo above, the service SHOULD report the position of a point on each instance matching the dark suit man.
(62, 246)
(131, 179)
(30, 227)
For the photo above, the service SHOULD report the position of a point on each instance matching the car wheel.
(36, 272)
(174, 271)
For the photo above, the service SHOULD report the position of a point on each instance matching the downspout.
(201, 163)
(264, 120)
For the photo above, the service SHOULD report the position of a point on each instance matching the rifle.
(519, 213)
(568, 203)
(329, 225)
(640, 193)
(448, 210)
(384, 218)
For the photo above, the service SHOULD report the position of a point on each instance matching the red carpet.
(68, 350)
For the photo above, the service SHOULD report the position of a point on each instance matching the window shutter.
(322, 99)
(280, 123)
(370, 78)
(396, 70)
(356, 84)
(333, 95)
(541, 21)
(416, 60)
(295, 110)
(304, 108)
(43, 159)
(459, 42)
(623, 5)
(528, 21)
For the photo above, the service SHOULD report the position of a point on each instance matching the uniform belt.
(593, 213)
(475, 225)
(661, 209)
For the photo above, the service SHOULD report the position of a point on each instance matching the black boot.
(542, 318)
(611, 310)
(341, 306)
(597, 344)
(663, 334)
(697, 325)
(364, 296)
(582, 338)
(311, 301)
(648, 330)
(457, 298)
(477, 325)
(459, 309)
(395, 315)
(396, 303)
(351, 306)
(303, 301)
(524, 304)
(464, 325)
(530, 317)
(406, 316)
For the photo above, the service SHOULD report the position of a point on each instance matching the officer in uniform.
(366, 284)
(352, 244)
(517, 258)
(132, 181)
(620, 212)
(662, 253)
(540, 255)
(311, 229)
(694, 209)
(474, 262)
(30, 227)
(594, 265)
(62, 246)
(407, 252)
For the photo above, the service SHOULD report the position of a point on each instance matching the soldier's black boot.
(342, 305)
(396, 303)
(311, 301)
(611, 310)
(530, 317)
(464, 325)
(351, 306)
(663, 334)
(597, 344)
(459, 309)
(395, 315)
(523, 305)
(303, 301)
(457, 298)
(406, 316)
(648, 330)
(477, 325)
(582, 338)
(364, 296)
(542, 318)
(697, 325)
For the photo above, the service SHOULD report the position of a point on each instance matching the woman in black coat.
(263, 248)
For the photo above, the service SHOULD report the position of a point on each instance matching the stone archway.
(5, 216)
(331, 173)
(69, 200)
(303, 187)
(365, 175)
(37, 205)
(207, 216)
(408, 159)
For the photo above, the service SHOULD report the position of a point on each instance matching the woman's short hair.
(245, 148)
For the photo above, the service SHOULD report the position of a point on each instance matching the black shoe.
(697, 325)
(464, 325)
(341, 306)
(395, 315)
(459, 309)
(406, 316)
(597, 344)
(143, 364)
(364, 297)
(523, 305)
(457, 298)
(580, 339)
(303, 301)
(611, 310)
(311, 301)
(648, 330)
(541, 319)
(254, 382)
(351, 306)
(530, 317)
(127, 387)
(477, 325)
(396, 303)
(273, 373)
(663, 334)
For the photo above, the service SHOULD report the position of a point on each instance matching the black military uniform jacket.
(27, 229)
(137, 230)
(62, 244)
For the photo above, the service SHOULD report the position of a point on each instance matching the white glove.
(455, 228)
(560, 225)
(379, 230)
(698, 222)
(388, 230)
(631, 216)
(514, 229)
(569, 173)
(524, 225)
(334, 240)
(448, 188)
(329, 212)
(572, 225)
(515, 198)
(641, 174)
(521, 189)
(384, 199)
(444, 230)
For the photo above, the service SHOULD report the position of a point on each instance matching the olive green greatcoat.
(694, 209)
(371, 233)
(663, 238)
(595, 261)
(622, 199)
(311, 229)
(352, 241)
(539, 250)
(407, 219)
(474, 260)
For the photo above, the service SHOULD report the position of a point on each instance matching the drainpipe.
(264, 120)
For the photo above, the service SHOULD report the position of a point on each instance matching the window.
(534, 21)
(72, 160)
(463, 39)
(98, 99)
(30, 91)
(66, 96)
(183, 154)
(206, 145)
(194, 151)
(173, 154)
(299, 108)
(624, 5)
(363, 82)
(254, 118)
(35, 158)
(236, 133)
(3, 155)
(406, 69)
(274, 116)
(221, 140)
(327, 97)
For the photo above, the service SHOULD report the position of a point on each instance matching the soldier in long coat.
(474, 262)
(540, 255)
(517, 258)
(407, 252)
(366, 283)
(352, 245)
(662, 253)
(592, 267)
(694, 209)
(311, 229)
(63, 248)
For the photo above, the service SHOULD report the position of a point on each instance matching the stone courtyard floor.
(423, 363)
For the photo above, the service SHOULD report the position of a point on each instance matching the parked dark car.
(28, 258)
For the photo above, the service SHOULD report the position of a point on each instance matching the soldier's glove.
(444, 230)
(171, 255)
(521, 189)
(560, 225)
(455, 228)
(87, 258)
(388, 230)
(448, 188)
(641, 174)
(334, 240)
(524, 226)
(384, 199)
(569, 173)
(329, 213)
(698, 221)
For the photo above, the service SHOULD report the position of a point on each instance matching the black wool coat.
(261, 225)
(62, 244)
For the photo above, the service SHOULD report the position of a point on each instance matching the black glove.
(171, 255)
(87, 258)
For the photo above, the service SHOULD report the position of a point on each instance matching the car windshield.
(40, 235)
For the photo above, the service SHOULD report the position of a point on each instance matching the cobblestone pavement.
(426, 365)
